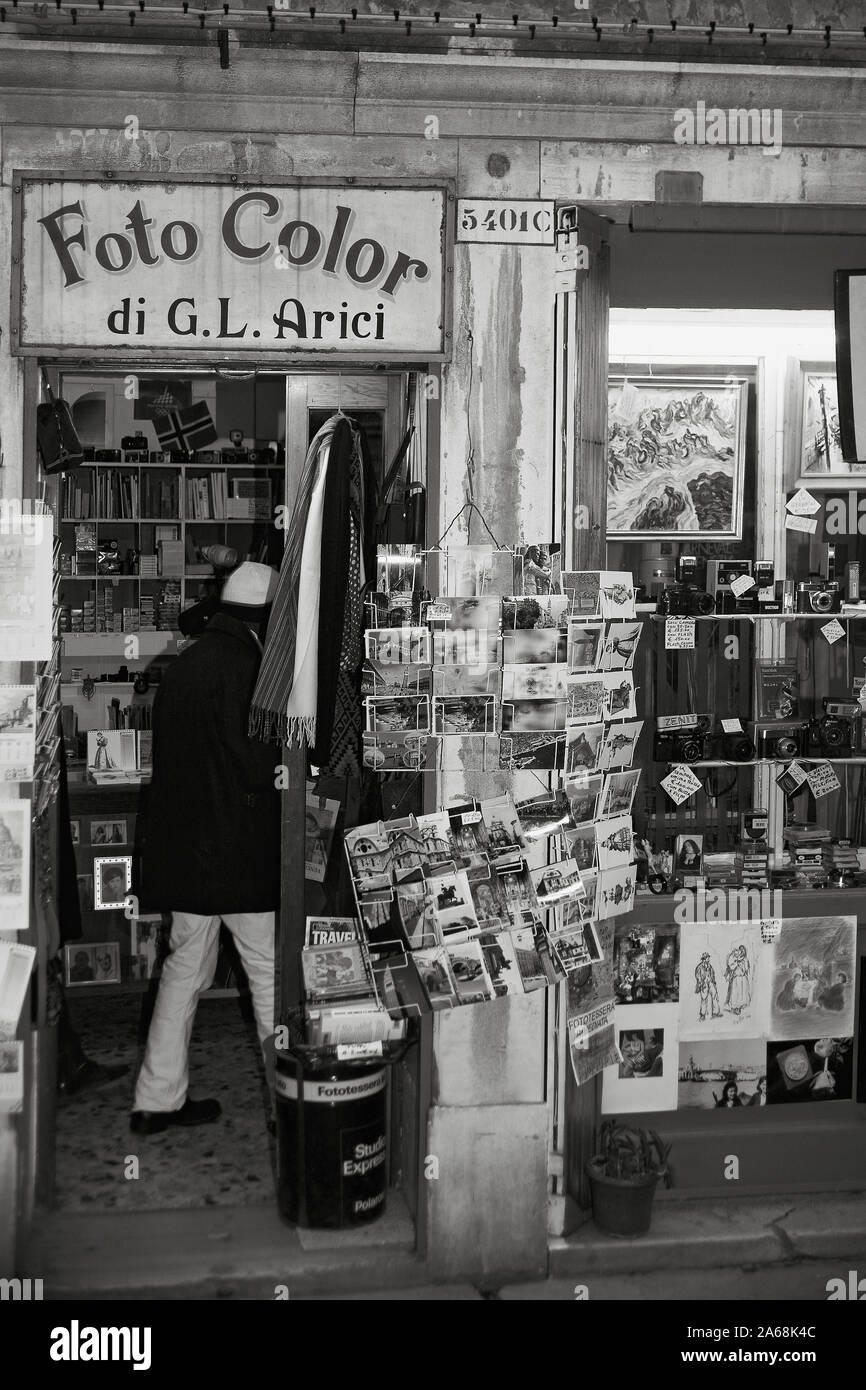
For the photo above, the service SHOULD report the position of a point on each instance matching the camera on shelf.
(728, 582)
(684, 601)
(818, 596)
(781, 739)
(837, 733)
(232, 457)
(730, 748)
(684, 743)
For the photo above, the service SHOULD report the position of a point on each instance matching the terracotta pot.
(621, 1206)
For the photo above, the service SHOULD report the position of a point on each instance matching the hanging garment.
(303, 646)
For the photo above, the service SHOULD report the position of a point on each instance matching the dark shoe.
(192, 1112)
(90, 1075)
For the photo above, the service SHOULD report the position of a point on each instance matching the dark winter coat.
(212, 833)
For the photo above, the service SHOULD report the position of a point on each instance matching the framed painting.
(676, 447)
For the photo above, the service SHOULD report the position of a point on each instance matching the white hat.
(250, 586)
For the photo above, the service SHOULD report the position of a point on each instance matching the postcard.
(555, 883)
(618, 792)
(11, 1075)
(518, 891)
(583, 796)
(582, 589)
(465, 647)
(369, 854)
(548, 613)
(532, 973)
(812, 978)
(466, 680)
(464, 714)
(16, 964)
(17, 732)
(646, 963)
(399, 568)
(398, 646)
(464, 614)
(615, 891)
(534, 647)
(546, 682)
(377, 917)
(26, 582)
(724, 969)
(580, 841)
(489, 902)
(111, 751)
(811, 1069)
(585, 641)
(545, 815)
(400, 682)
(500, 957)
(618, 748)
(537, 569)
(587, 989)
(583, 747)
(530, 716)
(617, 594)
(321, 823)
(647, 1076)
(479, 569)
(434, 972)
(504, 832)
(388, 715)
(588, 905)
(614, 842)
(576, 947)
(619, 646)
(468, 833)
(439, 848)
(417, 915)
(397, 752)
(716, 1074)
(14, 865)
(542, 752)
(619, 695)
(453, 905)
(469, 972)
(586, 699)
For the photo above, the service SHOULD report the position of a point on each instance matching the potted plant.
(623, 1176)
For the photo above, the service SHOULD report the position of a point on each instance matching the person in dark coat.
(211, 850)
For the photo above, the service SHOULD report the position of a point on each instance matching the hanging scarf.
(302, 641)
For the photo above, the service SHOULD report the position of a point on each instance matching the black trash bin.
(332, 1140)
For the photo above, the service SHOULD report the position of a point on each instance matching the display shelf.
(105, 644)
(773, 762)
(761, 617)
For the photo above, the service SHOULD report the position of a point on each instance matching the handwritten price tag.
(346, 1051)
(770, 929)
(742, 584)
(791, 778)
(822, 780)
(802, 504)
(833, 631)
(731, 726)
(679, 634)
(809, 524)
(680, 784)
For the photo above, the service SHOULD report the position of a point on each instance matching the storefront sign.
(509, 221)
(214, 268)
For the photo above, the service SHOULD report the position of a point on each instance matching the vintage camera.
(818, 596)
(837, 733)
(232, 457)
(686, 744)
(721, 574)
(764, 575)
(684, 601)
(781, 740)
(261, 456)
(207, 456)
(730, 748)
(106, 456)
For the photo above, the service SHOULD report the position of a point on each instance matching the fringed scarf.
(297, 685)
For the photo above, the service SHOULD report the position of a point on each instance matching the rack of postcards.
(504, 664)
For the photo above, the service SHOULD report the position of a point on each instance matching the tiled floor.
(101, 1164)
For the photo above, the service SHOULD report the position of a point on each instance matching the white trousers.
(188, 969)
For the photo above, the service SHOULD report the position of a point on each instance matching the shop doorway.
(133, 496)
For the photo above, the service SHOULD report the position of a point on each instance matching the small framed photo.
(93, 963)
(75, 831)
(112, 881)
(689, 854)
(80, 965)
(148, 948)
(109, 832)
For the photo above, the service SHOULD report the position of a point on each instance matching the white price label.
(732, 726)
(809, 524)
(680, 784)
(679, 634)
(802, 504)
(742, 584)
(833, 631)
(437, 613)
(346, 1051)
(770, 929)
(470, 818)
(791, 777)
(822, 780)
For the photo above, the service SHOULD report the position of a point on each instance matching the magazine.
(333, 971)
(331, 931)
